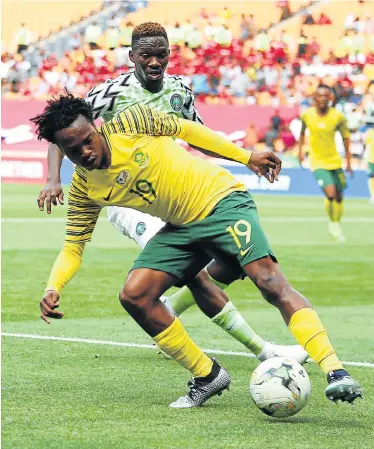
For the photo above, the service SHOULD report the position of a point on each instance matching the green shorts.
(331, 177)
(371, 170)
(231, 234)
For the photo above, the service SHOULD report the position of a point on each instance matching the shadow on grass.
(320, 421)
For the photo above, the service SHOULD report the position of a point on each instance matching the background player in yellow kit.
(369, 141)
(323, 121)
(132, 161)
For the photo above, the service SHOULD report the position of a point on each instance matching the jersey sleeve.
(102, 98)
(189, 111)
(343, 127)
(82, 212)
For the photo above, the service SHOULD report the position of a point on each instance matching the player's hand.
(301, 157)
(266, 164)
(48, 306)
(49, 195)
(349, 169)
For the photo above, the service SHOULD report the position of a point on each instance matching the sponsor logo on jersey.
(140, 228)
(141, 158)
(176, 102)
(123, 178)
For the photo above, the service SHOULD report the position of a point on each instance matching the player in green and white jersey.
(149, 85)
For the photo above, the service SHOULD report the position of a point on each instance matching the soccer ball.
(280, 387)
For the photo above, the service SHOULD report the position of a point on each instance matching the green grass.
(76, 395)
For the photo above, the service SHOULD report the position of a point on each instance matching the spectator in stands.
(358, 43)
(251, 137)
(308, 18)
(314, 49)
(204, 14)
(194, 39)
(276, 121)
(323, 19)
(244, 28)
(252, 26)
(270, 138)
(125, 34)
(210, 31)
(285, 9)
(262, 41)
(187, 27)
(92, 35)
(225, 14)
(23, 38)
(223, 36)
(176, 35)
(289, 41)
(288, 139)
(302, 44)
(112, 37)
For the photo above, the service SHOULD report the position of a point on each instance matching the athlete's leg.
(202, 290)
(305, 325)
(333, 186)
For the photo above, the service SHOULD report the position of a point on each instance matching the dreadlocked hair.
(59, 114)
(147, 29)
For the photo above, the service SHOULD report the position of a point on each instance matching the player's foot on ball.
(336, 232)
(203, 388)
(342, 387)
(294, 352)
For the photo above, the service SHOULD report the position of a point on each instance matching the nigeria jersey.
(113, 96)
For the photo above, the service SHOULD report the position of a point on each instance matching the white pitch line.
(144, 346)
(263, 219)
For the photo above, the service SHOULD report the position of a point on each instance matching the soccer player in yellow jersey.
(369, 141)
(133, 161)
(323, 121)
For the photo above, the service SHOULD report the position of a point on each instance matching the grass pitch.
(61, 394)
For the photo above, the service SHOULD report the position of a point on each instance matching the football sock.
(329, 209)
(233, 322)
(312, 336)
(371, 187)
(176, 343)
(337, 210)
(182, 300)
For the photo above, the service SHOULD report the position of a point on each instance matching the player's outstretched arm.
(301, 143)
(265, 163)
(65, 267)
(52, 191)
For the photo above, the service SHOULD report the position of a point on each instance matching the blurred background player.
(323, 121)
(148, 84)
(369, 141)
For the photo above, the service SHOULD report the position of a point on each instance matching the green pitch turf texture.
(77, 395)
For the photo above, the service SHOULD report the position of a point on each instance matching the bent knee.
(133, 293)
(272, 285)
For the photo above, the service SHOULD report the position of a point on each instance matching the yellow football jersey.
(369, 141)
(150, 172)
(323, 152)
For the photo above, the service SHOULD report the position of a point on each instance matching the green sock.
(233, 322)
(182, 300)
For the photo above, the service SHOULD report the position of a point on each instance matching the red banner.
(18, 132)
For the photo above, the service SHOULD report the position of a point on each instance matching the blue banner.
(292, 181)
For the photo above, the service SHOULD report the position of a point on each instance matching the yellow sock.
(175, 342)
(329, 209)
(371, 187)
(337, 210)
(312, 336)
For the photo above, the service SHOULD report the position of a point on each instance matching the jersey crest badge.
(123, 178)
(140, 228)
(176, 102)
(141, 158)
